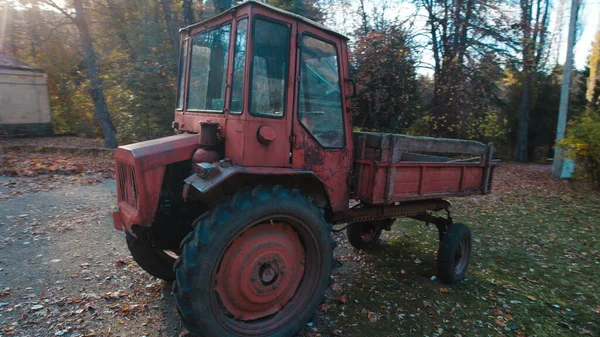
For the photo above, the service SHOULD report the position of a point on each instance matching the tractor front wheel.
(153, 260)
(257, 265)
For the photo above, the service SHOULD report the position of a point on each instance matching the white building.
(24, 105)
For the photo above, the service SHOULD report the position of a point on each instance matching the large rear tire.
(153, 260)
(257, 265)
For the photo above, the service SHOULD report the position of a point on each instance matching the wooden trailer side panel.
(386, 172)
(418, 181)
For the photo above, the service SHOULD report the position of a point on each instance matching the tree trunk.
(118, 21)
(34, 28)
(529, 66)
(521, 153)
(166, 6)
(96, 91)
(188, 12)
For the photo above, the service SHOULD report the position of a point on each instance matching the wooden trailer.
(392, 168)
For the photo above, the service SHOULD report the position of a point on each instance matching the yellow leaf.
(444, 290)
(531, 298)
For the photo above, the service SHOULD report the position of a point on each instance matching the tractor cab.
(274, 85)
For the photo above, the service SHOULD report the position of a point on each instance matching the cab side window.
(270, 63)
(319, 95)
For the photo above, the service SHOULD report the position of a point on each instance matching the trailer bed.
(392, 168)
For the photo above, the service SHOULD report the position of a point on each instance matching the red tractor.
(237, 208)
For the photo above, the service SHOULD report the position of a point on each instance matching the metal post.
(564, 92)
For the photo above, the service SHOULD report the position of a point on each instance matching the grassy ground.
(534, 271)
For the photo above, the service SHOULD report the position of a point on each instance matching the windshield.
(208, 69)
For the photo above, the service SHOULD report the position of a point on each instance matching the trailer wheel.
(454, 254)
(365, 234)
(257, 265)
(154, 261)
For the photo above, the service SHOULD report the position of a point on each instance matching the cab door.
(321, 126)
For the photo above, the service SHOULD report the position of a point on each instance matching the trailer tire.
(230, 276)
(153, 260)
(365, 234)
(454, 253)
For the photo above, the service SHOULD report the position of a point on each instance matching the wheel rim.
(309, 278)
(368, 232)
(461, 257)
(260, 271)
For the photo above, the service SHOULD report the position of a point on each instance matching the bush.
(582, 144)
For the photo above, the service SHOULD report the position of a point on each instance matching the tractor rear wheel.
(257, 265)
(153, 260)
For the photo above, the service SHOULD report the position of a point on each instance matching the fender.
(212, 182)
(140, 169)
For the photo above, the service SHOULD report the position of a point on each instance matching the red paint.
(148, 161)
(418, 181)
(205, 156)
(260, 271)
(259, 147)
(266, 135)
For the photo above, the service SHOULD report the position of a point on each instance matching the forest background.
(487, 70)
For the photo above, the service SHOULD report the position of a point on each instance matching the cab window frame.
(286, 76)
(226, 70)
(247, 60)
(340, 77)
(181, 99)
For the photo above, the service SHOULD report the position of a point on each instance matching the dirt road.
(65, 271)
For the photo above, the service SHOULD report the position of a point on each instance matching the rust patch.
(312, 155)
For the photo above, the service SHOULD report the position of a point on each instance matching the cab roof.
(251, 3)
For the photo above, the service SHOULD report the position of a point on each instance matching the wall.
(24, 105)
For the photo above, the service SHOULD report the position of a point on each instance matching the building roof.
(254, 2)
(7, 63)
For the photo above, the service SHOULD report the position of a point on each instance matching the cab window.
(208, 70)
(319, 95)
(239, 64)
(270, 63)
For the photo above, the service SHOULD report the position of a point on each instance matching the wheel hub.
(260, 271)
(461, 256)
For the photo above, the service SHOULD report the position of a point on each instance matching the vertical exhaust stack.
(209, 132)
(209, 144)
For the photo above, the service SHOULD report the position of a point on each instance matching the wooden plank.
(409, 156)
(488, 158)
(391, 173)
(359, 151)
(407, 143)
(437, 145)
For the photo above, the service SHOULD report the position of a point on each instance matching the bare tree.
(78, 18)
(534, 30)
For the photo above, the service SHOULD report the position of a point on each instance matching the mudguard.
(213, 181)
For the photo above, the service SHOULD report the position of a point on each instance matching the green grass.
(534, 272)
